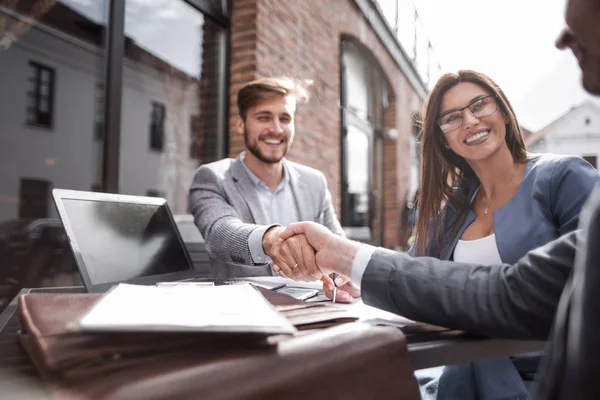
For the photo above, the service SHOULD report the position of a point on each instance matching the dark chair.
(194, 244)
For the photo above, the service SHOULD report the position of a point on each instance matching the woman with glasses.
(484, 199)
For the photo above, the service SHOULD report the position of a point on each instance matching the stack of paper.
(229, 308)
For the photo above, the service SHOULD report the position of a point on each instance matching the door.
(34, 196)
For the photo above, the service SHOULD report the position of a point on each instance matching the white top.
(479, 251)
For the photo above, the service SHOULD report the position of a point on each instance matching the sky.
(171, 30)
(512, 41)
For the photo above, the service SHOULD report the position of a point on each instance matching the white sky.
(512, 41)
(171, 30)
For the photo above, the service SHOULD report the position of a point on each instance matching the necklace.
(486, 208)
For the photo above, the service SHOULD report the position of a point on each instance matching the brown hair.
(442, 169)
(262, 89)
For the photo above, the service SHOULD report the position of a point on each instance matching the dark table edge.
(460, 350)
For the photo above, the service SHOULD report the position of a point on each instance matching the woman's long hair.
(442, 169)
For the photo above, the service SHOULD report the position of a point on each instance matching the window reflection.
(168, 124)
(52, 116)
(52, 56)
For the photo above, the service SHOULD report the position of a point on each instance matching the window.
(592, 160)
(41, 95)
(175, 69)
(364, 95)
(157, 126)
(173, 52)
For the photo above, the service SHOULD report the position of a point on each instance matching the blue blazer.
(546, 206)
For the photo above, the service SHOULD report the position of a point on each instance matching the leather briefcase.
(347, 361)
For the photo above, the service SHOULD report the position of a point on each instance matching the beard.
(256, 152)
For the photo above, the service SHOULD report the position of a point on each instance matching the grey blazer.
(503, 301)
(226, 209)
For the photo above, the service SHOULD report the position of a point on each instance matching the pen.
(334, 286)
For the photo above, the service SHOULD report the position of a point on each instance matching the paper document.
(376, 316)
(229, 308)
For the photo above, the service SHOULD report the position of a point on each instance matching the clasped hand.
(307, 251)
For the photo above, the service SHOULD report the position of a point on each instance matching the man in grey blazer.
(241, 205)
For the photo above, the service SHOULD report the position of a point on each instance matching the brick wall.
(301, 39)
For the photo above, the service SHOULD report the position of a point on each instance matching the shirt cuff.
(360, 262)
(255, 245)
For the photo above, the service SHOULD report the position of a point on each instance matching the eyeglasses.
(479, 108)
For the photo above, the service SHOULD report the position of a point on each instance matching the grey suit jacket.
(504, 301)
(572, 363)
(226, 210)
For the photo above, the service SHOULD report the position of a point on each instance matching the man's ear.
(239, 125)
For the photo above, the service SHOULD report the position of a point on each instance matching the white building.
(575, 133)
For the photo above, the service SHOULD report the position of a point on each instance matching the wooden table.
(18, 377)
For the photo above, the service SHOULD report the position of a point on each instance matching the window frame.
(158, 119)
(113, 78)
(35, 95)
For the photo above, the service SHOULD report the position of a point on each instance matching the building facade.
(576, 133)
(131, 96)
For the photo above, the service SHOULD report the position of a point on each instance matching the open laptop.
(120, 238)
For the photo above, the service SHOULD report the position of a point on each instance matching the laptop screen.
(120, 241)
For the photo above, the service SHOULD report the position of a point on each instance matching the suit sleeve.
(330, 219)
(573, 179)
(504, 301)
(224, 233)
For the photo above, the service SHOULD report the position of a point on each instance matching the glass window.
(364, 98)
(172, 69)
(355, 82)
(157, 126)
(52, 58)
(358, 167)
(41, 95)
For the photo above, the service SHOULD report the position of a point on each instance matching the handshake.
(307, 251)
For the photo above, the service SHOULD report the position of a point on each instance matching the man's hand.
(293, 258)
(333, 253)
(346, 292)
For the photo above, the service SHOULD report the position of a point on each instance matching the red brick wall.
(301, 39)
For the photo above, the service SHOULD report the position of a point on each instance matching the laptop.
(120, 238)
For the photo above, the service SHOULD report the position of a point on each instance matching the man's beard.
(255, 150)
